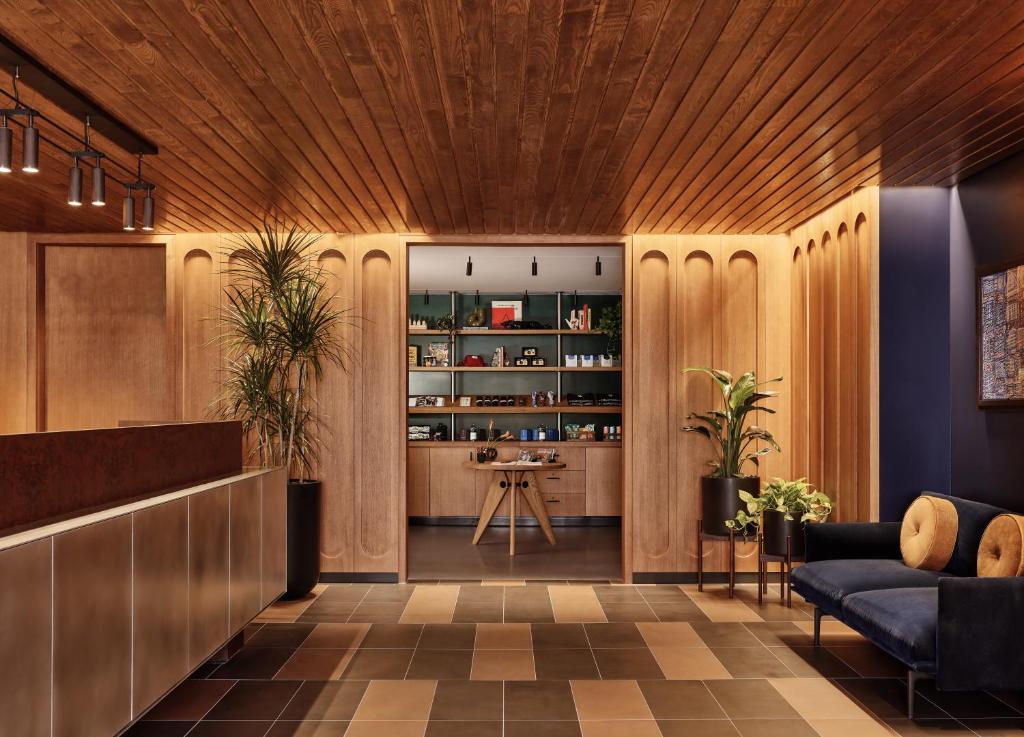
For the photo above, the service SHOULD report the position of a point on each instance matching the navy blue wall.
(987, 227)
(914, 346)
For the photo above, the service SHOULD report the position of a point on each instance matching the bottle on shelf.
(473, 434)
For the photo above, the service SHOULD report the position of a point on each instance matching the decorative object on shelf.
(781, 511)
(524, 325)
(526, 434)
(440, 432)
(529, 350)
(472, 360)
(416, 322)
(489, 451)
(419, 432)
(579, 318)
(504, 310)
(571, 360)
(446, 322)
(542, 433)
(537, 362)
(465, 401)
(439, 351)
(522, 361)
(498, 357)
(463, 435)
(1000, 292)
(607, 360)
(414, 355)
(730, 436)
(427, 401)
(611, 325)
(587, 361)
(477, 318)
(280, 328)
(428, 362)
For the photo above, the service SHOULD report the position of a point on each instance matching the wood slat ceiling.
(526, 116)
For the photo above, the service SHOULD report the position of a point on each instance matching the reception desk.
(106, 610)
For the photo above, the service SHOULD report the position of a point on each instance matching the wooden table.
(510, 478)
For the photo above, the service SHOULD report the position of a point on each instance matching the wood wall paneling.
(209, 570)
(246, 554)
(418, 492)
(92, 635)
(200, 298)
(160, 573)
(604, 481)
(274, 515)
(26, 612)
(14, 333)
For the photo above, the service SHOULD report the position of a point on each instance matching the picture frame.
(537, 362)
(999, 295)
(529, 350)
(414, 355)
(465, 401)
(522, 361)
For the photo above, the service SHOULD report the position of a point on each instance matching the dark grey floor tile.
(464, 729)
(627, 664)
(539, 700)
(325, 700)
(440, 664)
(886, 698)
(562, 665)
(811, 662)
(751, 699)
(612, 635)
(697, 728)
(280, 635)
(159, 729)
(680, 700)
(725, 634)
(368, 665)
(256, 700)
(308, 729)
(558, 636)
(448, 637)
(542, 729)
(392, 636)
(751, 662)
(467, 701)
(255, 663)
(230, 729)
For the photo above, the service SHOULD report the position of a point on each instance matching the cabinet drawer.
(565, 505)
(575, 459)
(562, 482)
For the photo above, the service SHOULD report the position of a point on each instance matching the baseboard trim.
(691, 577)
(520, 521)
(347, 577)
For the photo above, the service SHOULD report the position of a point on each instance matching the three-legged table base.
(516, 483)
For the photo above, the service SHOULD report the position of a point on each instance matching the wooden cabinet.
(418, 480)
(604, 481)
(452, 487)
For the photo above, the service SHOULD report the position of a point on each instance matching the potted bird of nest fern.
(735, 443)
(280, 328)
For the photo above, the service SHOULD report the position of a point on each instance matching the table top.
(490, 466)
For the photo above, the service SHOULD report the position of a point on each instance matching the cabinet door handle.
(553, 478)
(553, 501)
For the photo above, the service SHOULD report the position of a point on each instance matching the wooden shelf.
(517, 443)
(549, 369)
(502, 331)
(564, 409)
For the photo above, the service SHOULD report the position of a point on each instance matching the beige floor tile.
(575, 604)
(622, 728)
(503, 665)
(609, 700)
(315, 665)
(818, 698)
(833, 632)
(396, 701)
(503, 582)
(717, 605)
(386, 729)
(286, 612)
(850, 728)
(669, 634)
(503, 637)
(689, 664)
(342, 636)
(431, 605)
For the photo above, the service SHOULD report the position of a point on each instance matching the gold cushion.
(1001, 552)
(928, 534)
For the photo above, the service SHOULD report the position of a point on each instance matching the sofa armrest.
(978, 647)
(847, 540)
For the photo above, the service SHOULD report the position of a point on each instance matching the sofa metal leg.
(817, 627)
(913, 677)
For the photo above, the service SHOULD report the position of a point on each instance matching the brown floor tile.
(669, 634)
(386, 729)
(620, 728)
(254, 700)
(927, 727)
(337, 608)
(389, 593)
(678, 612)
(467, 701)
(464, 729)
(629, 612)
(697, 728)
(662, 592)
(345, 592)
(559, 636)
(604, 700)
(565, 665)
(440, 664)
(190, 701)
(996, 727)
(230, 729)
(966, 704)
(725, 634)
(689, 663)
(325, 700)
(320, 618)
(621, 663)
(850, 728)
(503, 665)
(751, 662)
(539, 700)
(308, 729)
(620, 634)
(396, 700)
(392, 636)
(542, 729)
(503, 637)
(254, 663)
(476, 611)
(280, 635)
(315, 664)
(868, 661)
(886, 698)
(680, 700)
(779, 633)
(618, 595)
(818, 698)
(751, 699)
(447, 637)
(368, 665)
(159, 729)
(384, 613)
(774, 728)
(812, 662)
(523, 604)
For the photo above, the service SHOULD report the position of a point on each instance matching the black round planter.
(774, 529)
(303, 537)
(720, 500)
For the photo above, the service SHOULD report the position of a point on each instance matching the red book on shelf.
(502, 311)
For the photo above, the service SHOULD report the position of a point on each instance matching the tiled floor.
(518, 659)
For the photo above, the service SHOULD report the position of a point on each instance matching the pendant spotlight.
(597, 267)
(469, 266)
(128, 208)
(30, 137)
(533, 267)
(128, 211)
(5, 148)
(75, 185)
(30, 147)
(426, 296)
(526, 297)
(476, 298)
(99, 177)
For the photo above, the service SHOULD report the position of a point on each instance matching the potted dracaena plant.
(280, 328)
(780, 512)
(736, 443)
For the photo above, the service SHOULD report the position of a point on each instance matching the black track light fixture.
(533, 267)
(128, 211)
(30, 147)
(6, 136)
(469, 266)
(575, 300)
(99, 176)
(476, 298)
(30, 135)
(526, 297)
(147, 211)
(597, 267)
(99, 185)
(75, 185)
(426, 296)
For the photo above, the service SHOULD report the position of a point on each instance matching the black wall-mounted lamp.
(469, 266)
(597, 267)
(533, 266)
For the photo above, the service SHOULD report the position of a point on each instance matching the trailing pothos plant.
(797, 500)
(280, 329)
(734, 439)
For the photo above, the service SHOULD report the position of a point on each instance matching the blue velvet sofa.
(948, 625)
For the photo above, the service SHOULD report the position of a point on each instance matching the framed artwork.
(414, 355)
(1000, 294)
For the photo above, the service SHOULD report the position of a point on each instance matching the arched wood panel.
(815, 364)
(847, 377)
(865, 243)
(828, 340)
(335, 396)
(200, 352)
(797, 379)
(653, 370)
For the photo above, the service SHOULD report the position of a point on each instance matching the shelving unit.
(514, 369)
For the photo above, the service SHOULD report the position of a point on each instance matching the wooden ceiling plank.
(889, 65)
(614, 135)
(543, 34)
(510, 29)
(451, 87)
(730, 109)
(1000, 132)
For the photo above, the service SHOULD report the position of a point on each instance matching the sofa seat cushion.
(827, 583)
(903, 622)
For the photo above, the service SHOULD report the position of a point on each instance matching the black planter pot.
(774, 529)
(303, 537)
(720, 500)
